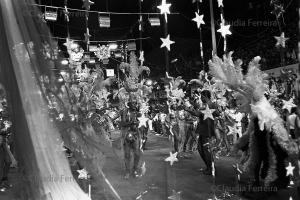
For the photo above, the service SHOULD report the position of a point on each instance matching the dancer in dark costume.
(266, 139)
(131, 138)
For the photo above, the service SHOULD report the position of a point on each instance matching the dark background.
(247, 39)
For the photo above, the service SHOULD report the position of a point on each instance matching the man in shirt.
(205, 129)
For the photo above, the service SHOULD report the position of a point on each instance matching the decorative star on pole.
(83, 174)
(199, 19)
(87, 36)
(172, 158)
(208, 113)
(288, 105)
(87, 4)
(281, 40)
(164, 9)
(220, 3)
(175, 195)
(224, 30)
(289, 170)
(69, 43)
(166, 42)
(66, 13)
(141, 58)
(142, 121)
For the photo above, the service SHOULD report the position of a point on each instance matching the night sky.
(253, 28)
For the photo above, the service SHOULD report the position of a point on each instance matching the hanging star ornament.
(281, 40)
(208, 113)
(172, 158)
(166, 42)
(199, 19)
(83, 174)
(164, 9)
(288, 105)
(70, 44)
(224, 30)
(175, 195)
(141, 58)
(289, 170)
(87, 4)
(220, 3)
(278, 10)
(66, 13)
(142, 121)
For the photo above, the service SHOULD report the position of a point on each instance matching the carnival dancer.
(131, 138)
(266, 138)
(206, 131)
(189, 137)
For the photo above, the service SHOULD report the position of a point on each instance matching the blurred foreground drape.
(47, 174)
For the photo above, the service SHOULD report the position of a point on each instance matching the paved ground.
(161, 179)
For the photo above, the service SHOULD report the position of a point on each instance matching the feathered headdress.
(253, 85)
(132, 73)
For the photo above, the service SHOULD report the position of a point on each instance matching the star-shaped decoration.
(87, 4)
(288, 105)
(281, 40)
(224, 30)
(220, 3)
(141, 58)
(87, 36)
(208, 113)
(83, 174)
(69, 43)
(289, 170)
(166, 42)
(278, 10)
(66, 13)
(172, 158)
(164, 9)
(232, 130)
(199, 19)
(175, 195)
(142, 121)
